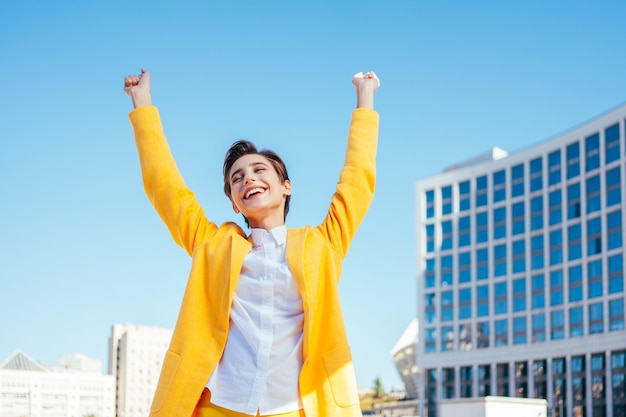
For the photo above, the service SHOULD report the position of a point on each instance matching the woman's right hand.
(137, 87)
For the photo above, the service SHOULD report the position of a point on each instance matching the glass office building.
(520, 274)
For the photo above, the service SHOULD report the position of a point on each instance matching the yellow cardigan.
(314, 254)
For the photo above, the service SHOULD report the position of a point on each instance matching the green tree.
(379, 392)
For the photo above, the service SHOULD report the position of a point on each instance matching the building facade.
(136, 358)
(403, 355)
(520, 274)
(28, 388)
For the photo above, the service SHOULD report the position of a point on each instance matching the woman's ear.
(287, 188)
(235, 208)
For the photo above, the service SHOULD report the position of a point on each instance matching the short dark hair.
(245, 147)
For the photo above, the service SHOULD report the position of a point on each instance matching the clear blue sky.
(81, 248)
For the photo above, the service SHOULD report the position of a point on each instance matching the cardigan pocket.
(341, 377)
(168, 372)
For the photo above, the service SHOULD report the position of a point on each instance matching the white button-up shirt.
(261, 363)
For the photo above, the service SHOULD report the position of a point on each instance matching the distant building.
(405, 360)
(521, 274)
(28, 388)
(136, 358)
(80, 362)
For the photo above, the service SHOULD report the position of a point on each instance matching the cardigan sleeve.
(174, 202)
(355, 189)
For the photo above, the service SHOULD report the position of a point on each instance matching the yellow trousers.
(207, 409)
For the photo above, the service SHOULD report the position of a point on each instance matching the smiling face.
(257, 191)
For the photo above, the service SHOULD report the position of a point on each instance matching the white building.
(28, 388)
(80, 362)
(520, 274)
(136, 358)
(404, 358)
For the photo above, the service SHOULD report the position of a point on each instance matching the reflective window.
(614, 229)
(447, 381)
(517, 218)
(447, 339)
(517, 180)
(429, 273)
(467, 378)
(593, 194)
(559, 377)
(598, 384)
(536, 179)
(573, 201)
(611, 143)
(465, 337)
(499, 186)
(464, 231)
(578, 385)
(596, 318)
(556, 287)
(431, 340)
(519, 256)
(499, 223)
(521, 378)
(618, 383)
(481, 191)
(538, 289)
(484, 380)
(482, 334)
(573, 160)
(519, 294)
(430, 204)
(430, 304)
(555, 207)
(592, 152)
(616, 314)
(575, 283)
(540, 378)
(536, 213)
(616, 274)
(613, 187)
(446, 235)
(446, 200)
(594, 279)
(539, 327)
(482, 227)
(446, 270)
(575, 321)
(465, 303)
(594, 236)
(482, 264)
(446, 306)
(554, 162)
(499, 260)
(557, 325)
(502, 375)
(430, 238)
(501, 332)
(556, 247)
(500, 295)
(536, 260)
(465, 267)
(574, 242)
(482, 300)
(464, 196)
(519, 330)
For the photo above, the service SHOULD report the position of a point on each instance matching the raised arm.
(355, 189)
(174, 202)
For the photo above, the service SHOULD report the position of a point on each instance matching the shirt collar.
(261, 236)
